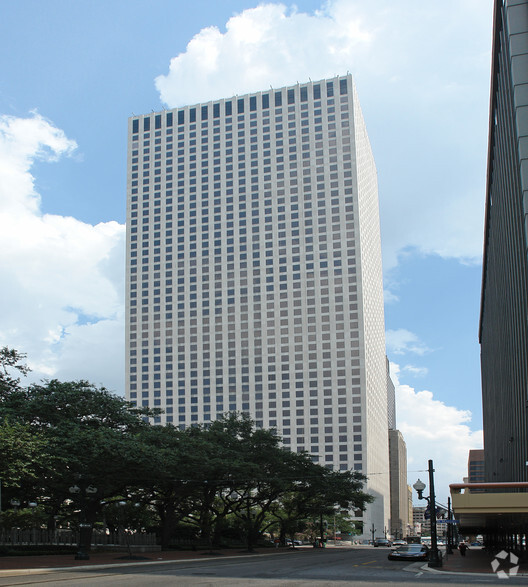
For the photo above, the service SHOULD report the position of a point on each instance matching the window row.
(288, 96)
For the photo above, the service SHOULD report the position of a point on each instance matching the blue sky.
(73, 72)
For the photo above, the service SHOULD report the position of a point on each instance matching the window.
(291, 96)
(135, 125)
(278, 98)
(146, 124)
(240, 105)
(216, 111)
(192, 115)
(265, 101)
(252, 103)
(228, 108)
(317, 92)
(157, 121)
(343, 86)
(304, 94)
(169, 119)
(181, 117)
(329, 89)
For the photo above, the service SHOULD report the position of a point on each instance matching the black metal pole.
(449, 549)
(83, 547)
(434, 558)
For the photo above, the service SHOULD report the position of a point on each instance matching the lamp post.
(84, 525)
(33, 506)
(434, 557)
(449, 548)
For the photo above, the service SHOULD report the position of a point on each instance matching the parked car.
(411, 552)
(399, 543)
(382, 542)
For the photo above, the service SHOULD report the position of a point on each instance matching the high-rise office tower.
(504, 307)
(399, 521)
(254, 277)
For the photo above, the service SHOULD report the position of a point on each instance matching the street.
(287, 568)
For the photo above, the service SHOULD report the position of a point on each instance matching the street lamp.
(434, 558)
(84, 525)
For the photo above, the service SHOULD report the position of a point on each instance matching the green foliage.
(10, 360)
(227, 477)
(24, 454)
(25, 518)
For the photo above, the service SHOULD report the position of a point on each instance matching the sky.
(72, 74)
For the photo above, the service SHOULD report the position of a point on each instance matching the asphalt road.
(302, 567)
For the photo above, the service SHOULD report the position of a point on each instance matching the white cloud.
(424, 91)
(415, 371)
(402, 341)
(61, 293)
(433, 430)
(263, 46)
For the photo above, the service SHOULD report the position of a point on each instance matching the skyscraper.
(504, 306)
(254, 277)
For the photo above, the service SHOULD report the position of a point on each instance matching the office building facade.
(399, 520)
(476, 472)
(504, 306)
(254, 277)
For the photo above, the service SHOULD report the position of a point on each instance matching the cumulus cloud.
(402, 341)
(424, 91)
(263, 46)
(433, 430)
(61, 293)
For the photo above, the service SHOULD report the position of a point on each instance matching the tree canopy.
(71, 444)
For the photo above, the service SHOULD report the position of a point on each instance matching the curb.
(428, 569)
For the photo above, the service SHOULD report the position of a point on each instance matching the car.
(410, 552)
(382, 542)
(399, 543)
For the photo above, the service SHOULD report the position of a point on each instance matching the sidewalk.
(477, 560)
(12, 565)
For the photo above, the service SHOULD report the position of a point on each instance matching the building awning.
(484, 508)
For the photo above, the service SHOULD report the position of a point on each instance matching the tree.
(24, 458)
(90, 439)
(318, 493)
(10, 360)
(172, 477)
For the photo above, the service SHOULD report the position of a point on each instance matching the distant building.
(398, 485)
(422, 522)
(503, 331)
(391, 399)
(410, 528)
(422, 526)
(476, 466)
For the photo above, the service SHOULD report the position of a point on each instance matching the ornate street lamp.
(434, 557)
(84, 526)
